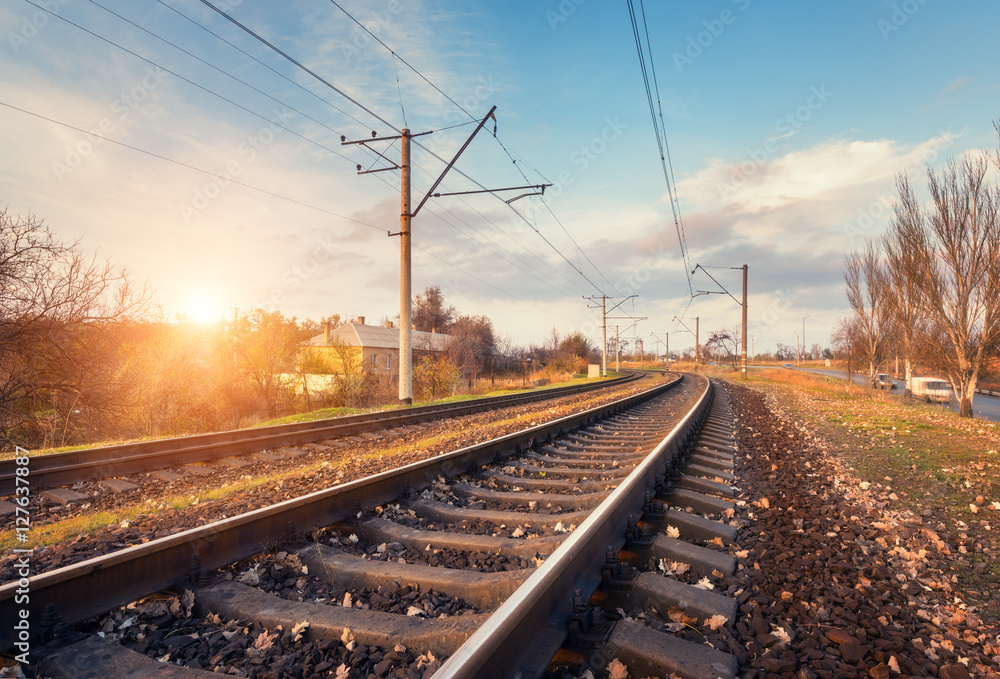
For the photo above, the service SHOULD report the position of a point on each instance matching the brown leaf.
(716, 621)
(678, 615)
(617, 670)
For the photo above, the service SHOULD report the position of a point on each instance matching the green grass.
(320, 414)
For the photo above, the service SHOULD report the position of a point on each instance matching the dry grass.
(922, 458)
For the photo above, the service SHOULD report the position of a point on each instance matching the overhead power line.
(395, 55)
(660, 130)
(263, 191)
(188, 166)
(208, 90)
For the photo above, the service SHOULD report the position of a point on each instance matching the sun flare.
(203, 308)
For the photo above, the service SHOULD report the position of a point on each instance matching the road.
(984, 407)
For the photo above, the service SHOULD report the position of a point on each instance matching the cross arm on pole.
(455, 159)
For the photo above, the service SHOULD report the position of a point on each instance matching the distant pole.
(666, 347)
(405, 273)
(618, 365)
(697, 348)
(604, 338)
(804, 335)
(744, 348)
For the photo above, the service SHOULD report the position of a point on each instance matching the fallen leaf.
(676, 614)
(298, 629)
(616, 670)
(716, 621)
(704, 584)
(264, 641)
(673, 532)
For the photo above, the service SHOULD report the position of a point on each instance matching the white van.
(931, 389)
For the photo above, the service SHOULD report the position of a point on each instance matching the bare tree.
(957, 259)
(867, 292)
(55, 306)
(472, 345)
(903, 274)
(430, 313)
(725, 344)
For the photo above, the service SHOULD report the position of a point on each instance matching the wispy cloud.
(958, 83)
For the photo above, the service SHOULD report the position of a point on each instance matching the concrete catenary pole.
(405, 273)
(697, 347)
(744, 342)
(618, 360)
(604, 338)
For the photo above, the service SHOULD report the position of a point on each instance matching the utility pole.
(405, 277)
(666, 346)
(405, 219)
(618, 365)
(804, 335)
(744, 342)
(604, 338)
(697, 348)
(604, 325)
(743, 306)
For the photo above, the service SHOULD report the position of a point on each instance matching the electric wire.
(471, 275)
(267, 66)
(376, 156)
(663, 127)
(212, 66)
(461, 108)
(406, 63)
(399, 90)
(188, 166)
(659, 136)
(558, 221)
(263, 191)
(188, 80)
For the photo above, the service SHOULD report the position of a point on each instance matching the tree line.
(928, 291)
(86, 355)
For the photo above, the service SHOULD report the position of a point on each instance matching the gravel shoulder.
(841, 579)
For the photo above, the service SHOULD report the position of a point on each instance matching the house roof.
(377, 337)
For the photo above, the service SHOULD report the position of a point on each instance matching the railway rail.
(557, 505)
(62, 469)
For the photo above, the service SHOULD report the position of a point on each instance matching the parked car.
(883, 381)
(931, 389)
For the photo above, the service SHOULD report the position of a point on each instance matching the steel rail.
(524, 633)
(89, 588)
(57, 469)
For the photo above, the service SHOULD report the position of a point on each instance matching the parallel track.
(61, 469)
(596, 470)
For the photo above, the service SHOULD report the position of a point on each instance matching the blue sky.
(786, 123)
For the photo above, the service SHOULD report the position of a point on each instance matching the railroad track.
(63, 469)
(553, 508)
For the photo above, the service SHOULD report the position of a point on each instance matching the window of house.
(373, 358)
(388, 361)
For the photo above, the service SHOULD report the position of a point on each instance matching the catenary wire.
(188, 80)
(464, 110)
(188, 166)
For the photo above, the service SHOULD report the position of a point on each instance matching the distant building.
(357, 347)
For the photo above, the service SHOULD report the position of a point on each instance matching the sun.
(203, 308)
